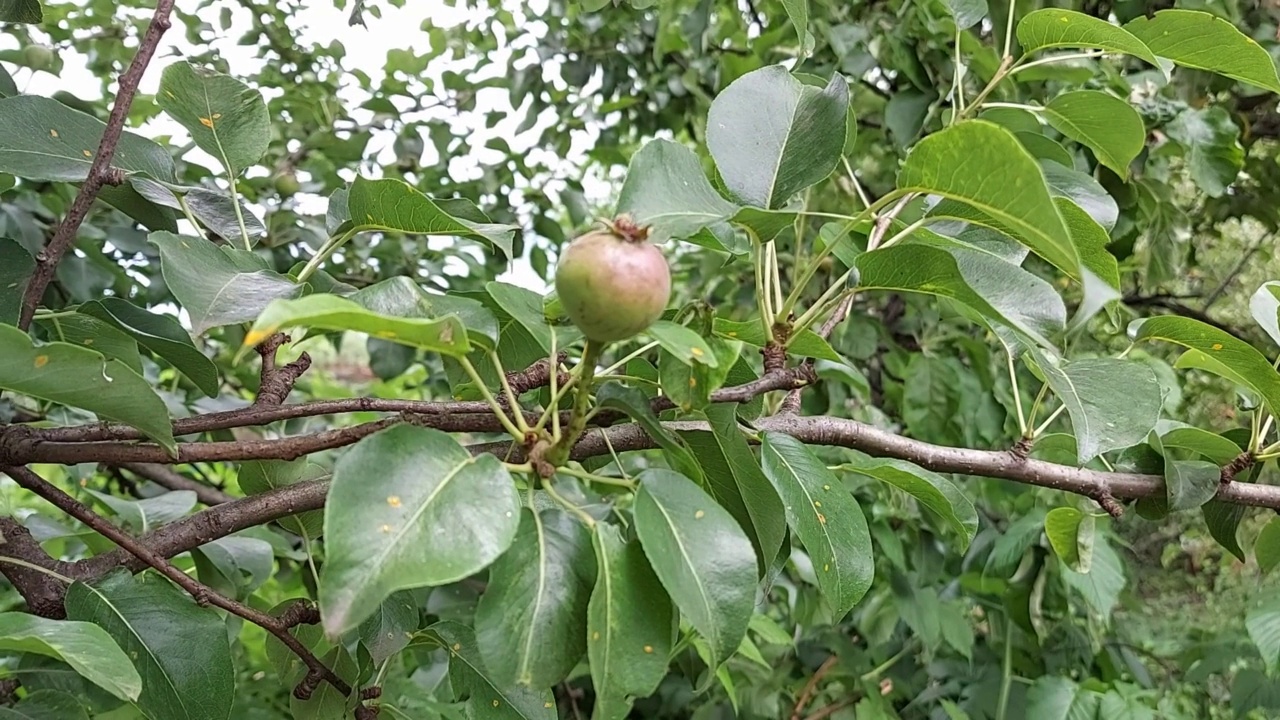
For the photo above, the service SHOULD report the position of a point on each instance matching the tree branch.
(171, 480)
(100, 172)
(204, 595)
(42, 591)
(276, 381)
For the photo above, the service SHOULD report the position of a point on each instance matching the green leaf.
(525, 307)
(258, 476)
(1106, 124)
(1070, 534)
(735, 480)
(798, 11)
(805, 343)
(1091, 241)
(1008, 294)
(444, 335)
(930, 489)
(628, 625)
(393, 205)
(967, 13)
(667, 190)
(162, 335)
(83, 378)
(1266, 549)
(387, 631)
(690, 386)
(1263, 624)
(683, 343)
(825, 517)
(1210, 140)
(1058, 28)
(21, 11)
(956, 163)
(213, 208)
(531, 622)
(1234, 359)
(487, 698)
(1190, 483)
(149, 513)
(1212, 446)
(1251, 689)
(1264, 305)
(772, 135)
(1223, 521)
(16, 266)
(90, 332)
(615, 396)
(45, 705)
(84, 646)
(1043, 148)
(409, 507)
(700, 554)
(7, 89)
(225, 117)
(46, 140)
(402, 297)
(1207, 42)
(1058, 698)
(213, 285)
(158, 625)
(1101, 586)
(1113, 403)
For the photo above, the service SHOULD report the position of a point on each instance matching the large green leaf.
(16, 266)
(402, 297)
(772, 135)
(525, 308)
(90, 332)
(1070, 534)
(46, 140)
(258, 476)
(1263, 624)
(1113, 403)
(409, 507)
(1106, 124)
(736, 481)
(633, 402)
(217, 286)
(1210, 140)
(930, 489)
(959, 162)
(395, 206)
(487, 698)
(149, 513)
(162, 335)
(1266, 549)
(1101, 586)
(77, 376)
(825, 517)
(995, 289)
(667, 190)
(1188, 483)
(1059, 28)
(444, 335)
(158, 625)
(1264, 305)
(1200, 40)
(215, 209)
(1234, 359)
(531, 622)
(225, 117)
(83, 645)
(45, 705)
(966, 13)
(1054, 697)
(388, 631)
(682, 343)
(21, 11)
(628, 625)
(700, 554)
(1091, 241)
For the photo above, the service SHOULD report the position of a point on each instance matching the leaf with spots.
(162, 335)
(80, 377)
(531, 622)
(388, 631)
(1228, 356)
(1059, 28)
(1200, 40)
(90, 332)
(1113, 403)
(16, 267)
(473, 683)
(391, 205)
(158, 626)
(44, 139)
(628, 625)
(225, 117)
(409, 507)
(700, 554)
(825, 517)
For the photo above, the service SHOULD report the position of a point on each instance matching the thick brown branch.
(100, 172)
(169, 479)
(42, 590)
(202, 593)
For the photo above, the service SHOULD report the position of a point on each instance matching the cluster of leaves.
(749, 563)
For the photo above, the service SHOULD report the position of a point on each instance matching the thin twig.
(807, 694)
(203, 594)
(169, 479)
(100, 172)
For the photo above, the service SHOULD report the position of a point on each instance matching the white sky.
(366, 49)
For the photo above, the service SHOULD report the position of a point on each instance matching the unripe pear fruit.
(613, 283)
(37, 57)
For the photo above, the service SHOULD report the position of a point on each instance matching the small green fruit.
(287, 185)
(613, 283)
(37, 57)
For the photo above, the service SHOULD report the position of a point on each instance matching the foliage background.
(534, 111)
